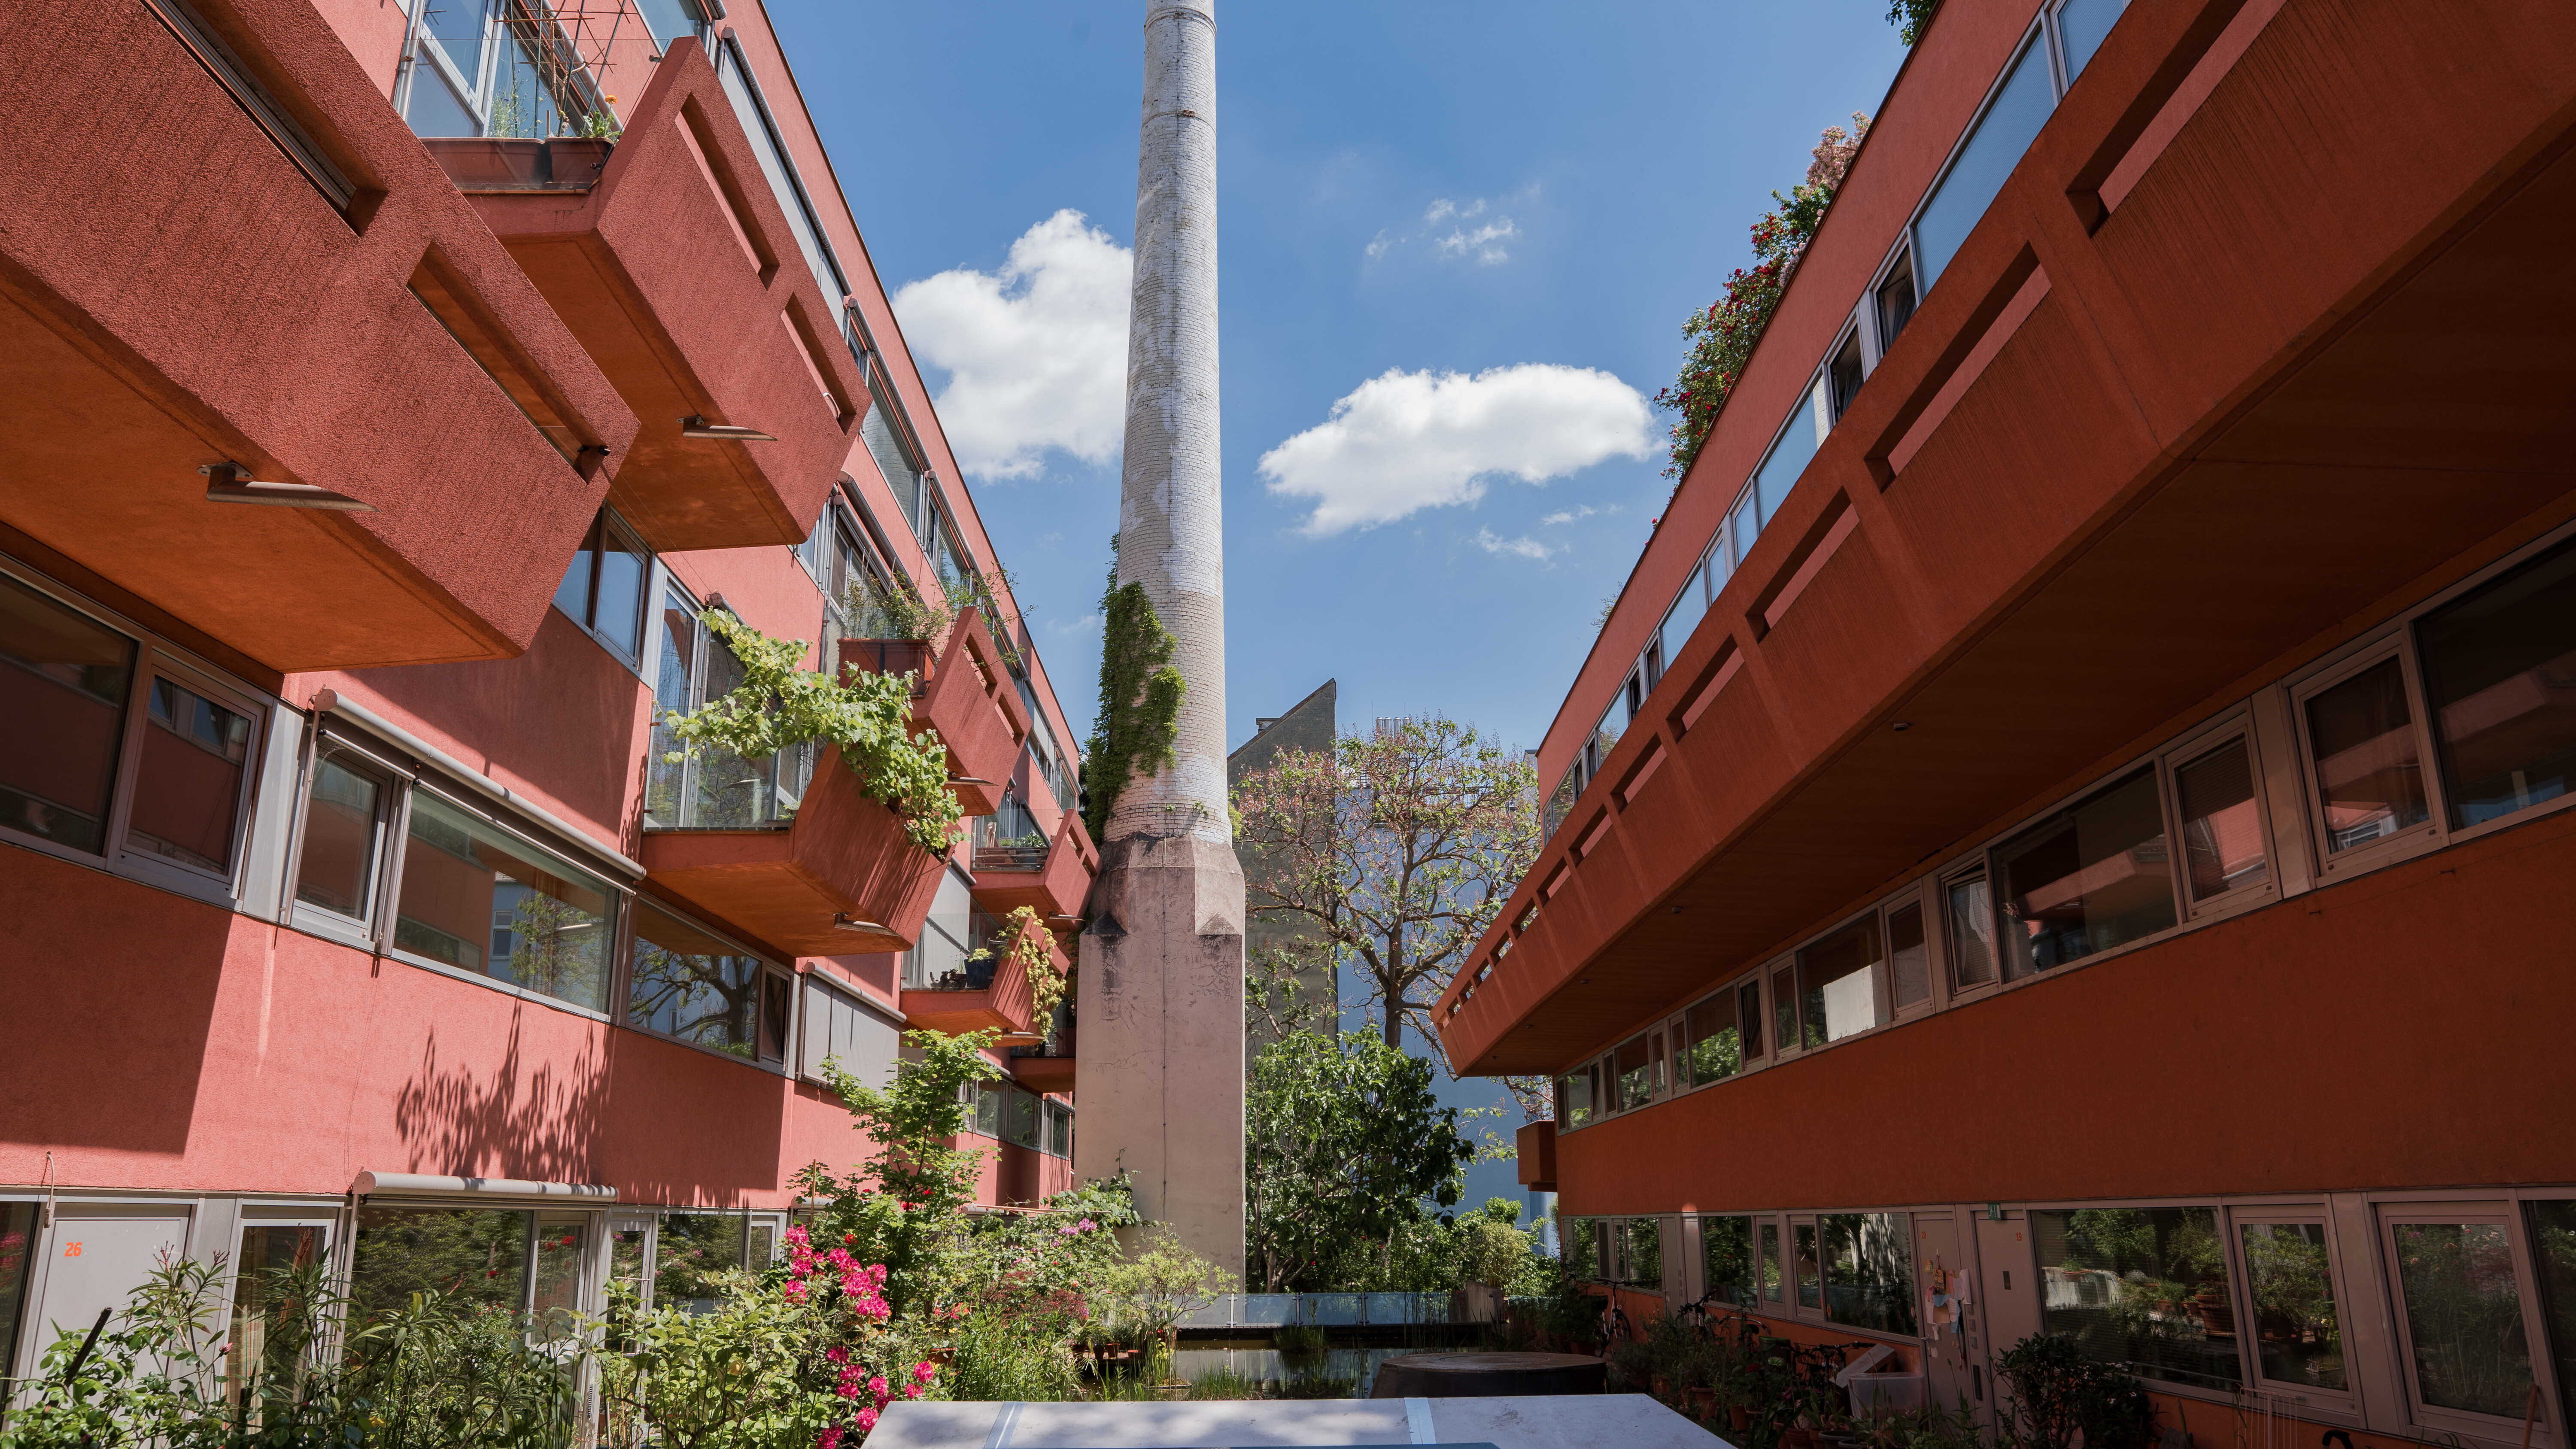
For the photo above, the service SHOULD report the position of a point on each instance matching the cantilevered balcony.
(819, 869)
(2141, 445)
(968, 697)
(673, 263)
(988, 991)
(1052, 878)
(224, 248)
(1049, 1065)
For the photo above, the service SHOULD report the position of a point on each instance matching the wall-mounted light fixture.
(694, 426)
(232, 483)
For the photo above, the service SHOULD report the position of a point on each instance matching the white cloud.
(1405, 441)
(1568, 515)
(1036, 352)
(1461, 241)
(1084, 625)
(1525, 546)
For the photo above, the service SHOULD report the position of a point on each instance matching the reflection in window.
(1748, 1015)
(1689, 607)
(670, 20)
(2222, 835)
(2094, 878)
(690, 985)
(1972, 933)
(17, 1238)
(277, 1278)
(1844, 376)
(1726, 1255)
(2463, 1316)
(1869, 1271)
(1811, 1276)
(1909, 961)
(1784, 1007)
(476, 1254)
(2141, 1289)
(1582, 1247)
(1789, 458)
(479, 900)
(2369, 780)
(1716, 1047)
(2553, 1244)
(66, 680)
(2296, 1335)
(1771, 1262)
(1574, 1099)
(1636, 1068)
(2500, 683)
(1024, 1119)
(674, 692)
(1642, 1253)
(688, 1253)
(555, 1305)
(604, 586)
(2083, 24)
(2020, 108)
(336, 867)
(1838, 980)
(1896, 298)
(187, 793)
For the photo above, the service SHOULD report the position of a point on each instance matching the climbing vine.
(779, 704)
(1140, 698)
(1029, 948)
(1722, 334)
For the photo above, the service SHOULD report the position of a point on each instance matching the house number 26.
(71, 1250)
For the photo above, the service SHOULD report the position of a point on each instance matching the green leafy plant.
(1160, 1284)
(894, 609)
(1347, 1153)
(781, 703)
(1140, 698)
(1029, 948)
(599, 125)
(2055, 1390)
(1722, 335)
(1911, 17)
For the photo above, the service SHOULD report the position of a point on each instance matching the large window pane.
(1972, 932)
(2141, 1289)
(619, 616)
(2500, 681)
(1644, 1255)
(265, 1337)
(1746, 525)
(1838, 984)
(1869, 1271)
(17, 1246)
(1716, 1048)
(1811, 1271)
(2020, 108)
(522, 104)
(674, 692)
(1784, 1007)
(573, 594)
(2370, 782)
(1909, 960)
(336, 868)
(63, 682)
(2297, 1338)
(1770, 1253)
(2222, 834)
(1789, 458)
(555, 1303)
(690, 985)
(1636, 1066)
(188, 786)
(1574, 1099)
(2084, 23)
(688, 1253)
(1726, 1255)
(477, 1254)
(1683, 617)
(2553, 1244)
(479, 900)
(1581, 1247)
(2463, 1315)
(1748, 1017)
(2093, 878)
(1024, 1119)
(669, 20)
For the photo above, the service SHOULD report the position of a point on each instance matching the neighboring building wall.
(1269, 936)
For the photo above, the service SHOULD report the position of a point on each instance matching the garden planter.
(974, 703)
(889, 656)
(1703, 1402)
(1740, 1417)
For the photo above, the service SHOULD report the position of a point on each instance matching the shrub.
(2053, 1390)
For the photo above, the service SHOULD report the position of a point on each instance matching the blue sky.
(1529, 195)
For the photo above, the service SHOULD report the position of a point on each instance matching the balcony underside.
(1043, 1074)
(176, 293)
(2252, 411)
(958, 1012)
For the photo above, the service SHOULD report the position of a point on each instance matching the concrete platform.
(1488, 1375)
(1631, 1421)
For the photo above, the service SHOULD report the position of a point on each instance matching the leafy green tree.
(1345, 1148)
(1396, 849)
(1140, 698)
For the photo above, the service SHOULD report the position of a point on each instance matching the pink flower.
(798, 1236)
(831, 1438)
(836, 1354)
(1087, 1225)
(867, 1420)
(877, 1386)
(925, 1371)
(847, 1390)
(912, 1391)
(795, 1292)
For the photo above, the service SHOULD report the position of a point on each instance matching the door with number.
(95, 1257)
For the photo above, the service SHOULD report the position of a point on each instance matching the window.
(1727, 1261)
(1909, 957)
(1059, 1138)
(1839, 990)
(603, 590)
(2021, 105)
(2081, 26)
(1689, 607)
(2364, 757)
(1811, 1272)
(2500, 690)
(2093, 878)
(1716, 1049)
(780, 172)
(1582, 1247)
(491, 68)
(1023, 1123)
(669, 20)
(693, 985)
(1573, 1100)
(689, 1251)
(479, 1255)
(1748, 1017)
(68, 676)
(189, 776)
(1784, 1007)
(1895, 302)
(1638, 1252)
(2553, 1243)
(1636, 1068)
(893, 454)
(1790, 454)
(710, 788)
(2289, 1276)
(2461, 1300)
(1868, 1271)
(1972, 932)
(555, 1298)
(17, 1243)
(478, 899)
(2142, 1289)
(346, 810)
(2222, 826)
(1745, 525)
(1771, 1274)
(1843, 375)
(989, 1110)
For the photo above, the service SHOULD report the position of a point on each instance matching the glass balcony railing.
(714, 789)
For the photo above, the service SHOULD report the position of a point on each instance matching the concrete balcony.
(992, 994)
(1535, 1145)
(840, 879)
(968, 697)
(2119, 462)
(223, 247)
(1054, 881)
(672, 262)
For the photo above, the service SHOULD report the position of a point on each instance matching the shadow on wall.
(539, 1123)
(112, 992)
(563, 717)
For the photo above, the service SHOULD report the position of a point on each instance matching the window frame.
(390, 818)
(2038, 32)
(2390, 641)
(647, 594)
(2506, 1208)
(770, 971)
(2345, 1403)
(2236, 724)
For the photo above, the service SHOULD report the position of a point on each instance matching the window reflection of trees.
(1869, 1271)
(687, 985)
(2144, 1289)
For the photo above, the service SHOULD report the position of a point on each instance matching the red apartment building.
(2068, 827)
(354, 909)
